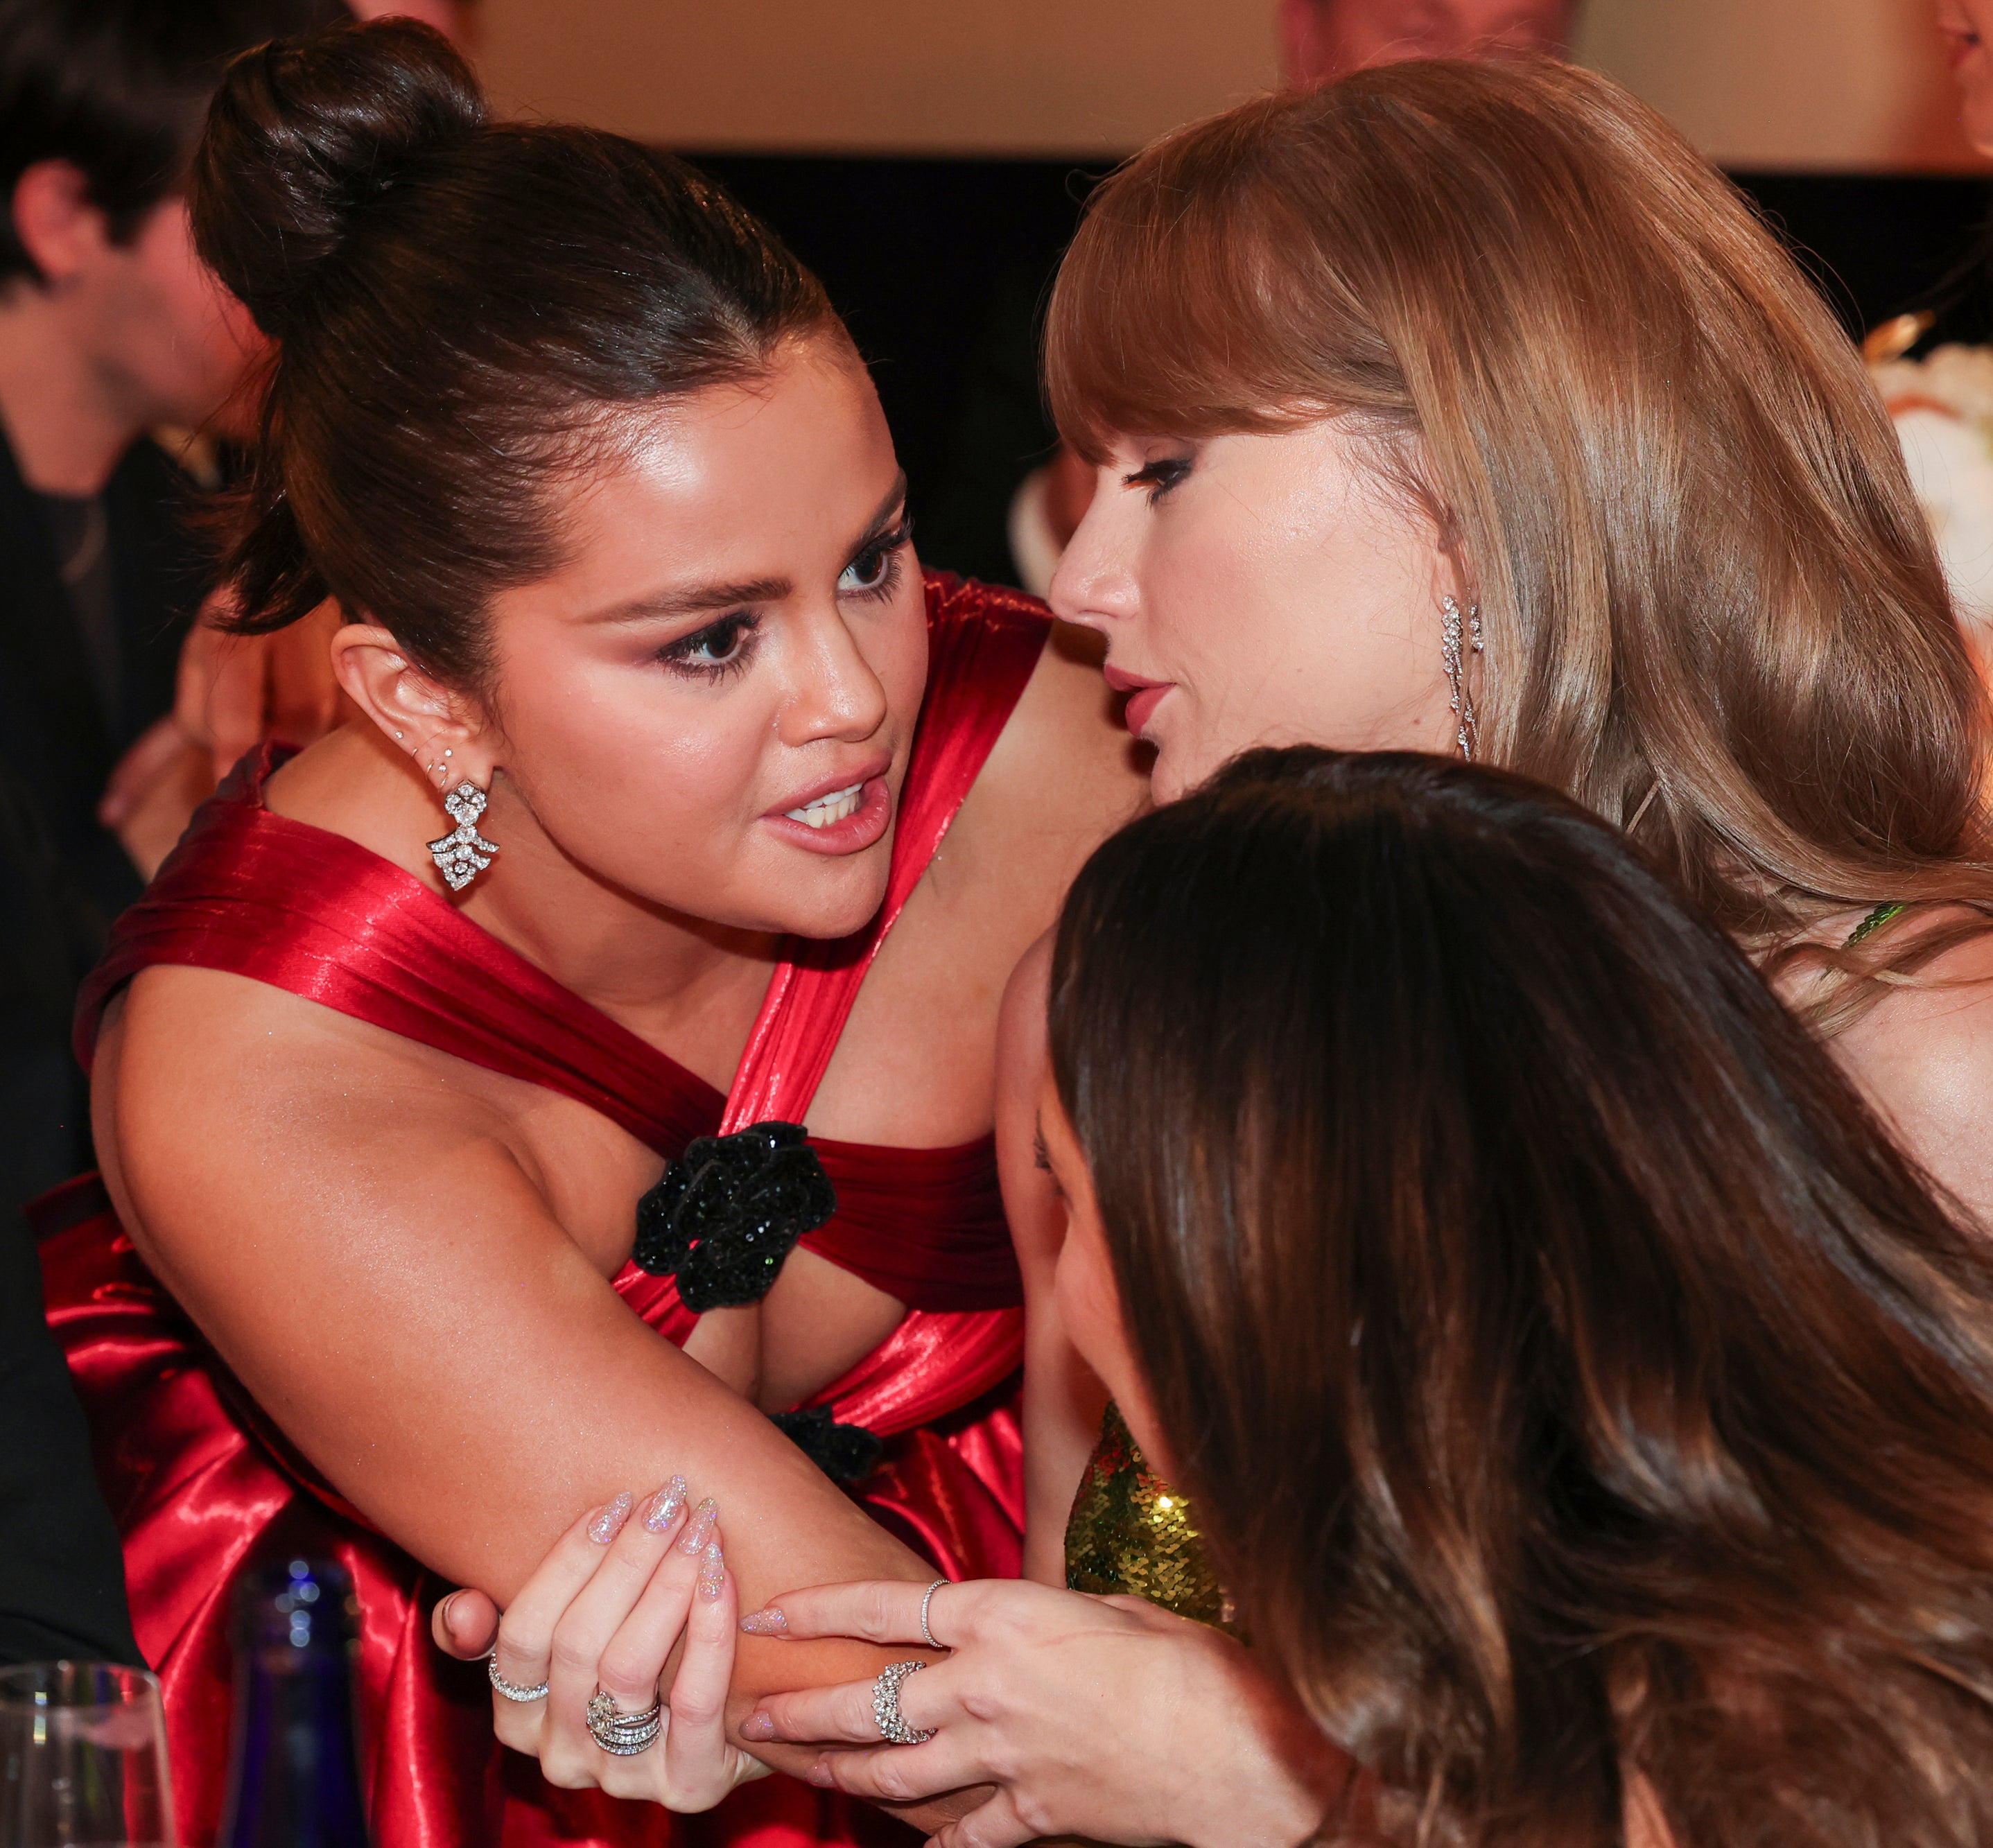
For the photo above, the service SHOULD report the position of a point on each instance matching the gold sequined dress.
(1131, 1533)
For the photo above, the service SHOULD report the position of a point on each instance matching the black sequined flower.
(729, 1210)
(844, 1453)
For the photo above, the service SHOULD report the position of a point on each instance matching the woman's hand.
(1102, 1717)
(601, 1615)
(234, 690)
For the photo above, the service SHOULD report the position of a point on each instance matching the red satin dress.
(197, 1476)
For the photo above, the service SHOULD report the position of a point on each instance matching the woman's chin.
(836, 900)
(1176, 772)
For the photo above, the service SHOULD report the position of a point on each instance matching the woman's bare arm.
(351, 1223)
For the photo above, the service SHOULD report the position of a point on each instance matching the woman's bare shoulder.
(208, 1047)
(1062, 776)
(1064, 756)
(216, 1097)
(917, 1062)
(205, 1083)
(1923, 1057)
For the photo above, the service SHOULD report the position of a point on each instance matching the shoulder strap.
(311, 912)
(982, 646)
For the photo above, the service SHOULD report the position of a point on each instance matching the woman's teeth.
(833, 807)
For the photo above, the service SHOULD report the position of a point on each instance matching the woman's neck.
(690, 987)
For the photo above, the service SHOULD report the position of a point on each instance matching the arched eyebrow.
(702, 600)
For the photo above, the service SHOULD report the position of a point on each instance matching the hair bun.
(304, 135)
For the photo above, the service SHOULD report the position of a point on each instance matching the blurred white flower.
(1942, 408)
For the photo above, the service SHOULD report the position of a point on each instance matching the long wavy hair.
(1573, 1379)
(1713, 611)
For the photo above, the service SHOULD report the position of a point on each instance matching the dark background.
(940, 268)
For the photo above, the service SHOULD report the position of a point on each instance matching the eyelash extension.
(889, 546)
(1159, 476)
(677, 655)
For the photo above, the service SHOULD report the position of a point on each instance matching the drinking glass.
(82, 1757)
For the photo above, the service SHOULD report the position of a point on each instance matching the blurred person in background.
(109, 328)
(449, 17)
(1319, 39)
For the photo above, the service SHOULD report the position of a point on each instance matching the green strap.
(1872, 923)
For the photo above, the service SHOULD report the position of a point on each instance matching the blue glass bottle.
(293, 1777)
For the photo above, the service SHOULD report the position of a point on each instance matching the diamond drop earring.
(461, 856)
(1462, 701)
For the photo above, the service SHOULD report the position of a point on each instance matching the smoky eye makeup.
(1159, 474)
(715, 651)
(875, 568)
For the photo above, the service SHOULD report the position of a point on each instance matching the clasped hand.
(1102, 1717)
(1105, 1717)
(603, 1612)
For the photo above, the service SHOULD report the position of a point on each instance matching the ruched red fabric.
(198, 1478)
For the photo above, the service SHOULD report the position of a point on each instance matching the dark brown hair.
(1713, 611)
(1573, 1378)
(117, 88)
(461, 308)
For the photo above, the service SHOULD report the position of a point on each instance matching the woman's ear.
(443, 730)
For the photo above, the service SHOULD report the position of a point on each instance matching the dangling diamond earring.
(461, 856)
(1462, 701)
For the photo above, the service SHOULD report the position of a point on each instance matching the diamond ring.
(886, 1705)
(624, 1735)
(924, 1603)
(511, 1689)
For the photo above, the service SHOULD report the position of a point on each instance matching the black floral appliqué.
(729, 1210)
(844, 1453)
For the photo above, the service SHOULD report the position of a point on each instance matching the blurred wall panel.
(1768, 84)
(967, 76)
(1791, 85)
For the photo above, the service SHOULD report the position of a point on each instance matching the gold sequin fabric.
(1131, 1533)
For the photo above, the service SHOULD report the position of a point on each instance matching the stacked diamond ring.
(624, 1735)
(886, 1705)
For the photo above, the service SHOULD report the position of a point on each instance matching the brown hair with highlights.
(1573, 1379)
(1712, 611)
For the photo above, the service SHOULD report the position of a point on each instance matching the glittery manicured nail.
(712, 1571)
(758, 1726)
(818, 1773)
(609, 1520)
(698, 1529)
(664, 1506)
(766, 1623)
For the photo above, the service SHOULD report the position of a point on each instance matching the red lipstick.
(1143, 697)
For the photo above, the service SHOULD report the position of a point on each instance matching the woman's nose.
(839, 695)
(1095, 583)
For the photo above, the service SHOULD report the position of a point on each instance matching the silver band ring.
(886, 1704)
(624, 1735)
(511, 1689)
(925, 1602)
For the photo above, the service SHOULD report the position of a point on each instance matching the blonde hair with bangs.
(1713, 611)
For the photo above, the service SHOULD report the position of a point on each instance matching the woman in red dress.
(661, 734)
